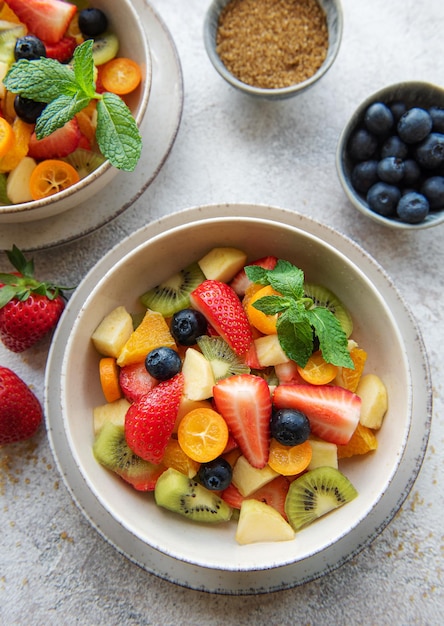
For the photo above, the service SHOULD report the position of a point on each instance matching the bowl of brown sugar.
(273, 49)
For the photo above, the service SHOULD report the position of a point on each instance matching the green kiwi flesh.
(84, 161)
(173, 294)
(224, 362)
(316, 493)
(105, 48)
(9, 33)
(176, 492)
(323, 297)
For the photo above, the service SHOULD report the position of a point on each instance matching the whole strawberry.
(20, 410)
(29, 309)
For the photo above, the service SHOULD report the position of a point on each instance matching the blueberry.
(430, 152)
(433, 190)
(29, 47)
(393, 146)
(437, 115)
(378, 119)
(382, 198)
(163, 363)
(414, 125)
(398, 109)
(412, 172)
(92, 22)
(413, 208)
(28, 110)
(362, 145)
(187, 325)
(290, 427)
(364, 175)
(391, 169)
(215, 475)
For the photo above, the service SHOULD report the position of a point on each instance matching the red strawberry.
(29, 309)
(61, 50)
(333, 412)
(240, 282)
(150, 421)
(244, 402)
(48, 19)
(20, 411)
(273, 494)
(222, 309)
(58, 144)
(135, 381)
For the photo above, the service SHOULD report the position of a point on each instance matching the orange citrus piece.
(7, 138)
(121, 75)
(362, 441)
(203, 434)
(317, 371)
(50, 177)
(22, 134)
(351, 377)
(8, 14)
(265, 323)
(152, 332)
(87, 121)
(175, 457)
(109, 378)
(289, 460)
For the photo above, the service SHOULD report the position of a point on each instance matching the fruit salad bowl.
(207, 556)
(124, 37)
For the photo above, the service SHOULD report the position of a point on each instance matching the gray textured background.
(54, 568)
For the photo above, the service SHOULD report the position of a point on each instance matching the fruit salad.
(61, 81)
(235, 394)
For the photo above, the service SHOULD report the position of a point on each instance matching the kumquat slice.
(203, 434)
(317, 371)
(264, 323)
(50, 177)
(7, 138)
(121, 76)
(289, 460)
(109, 378)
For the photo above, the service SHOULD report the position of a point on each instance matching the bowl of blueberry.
(73, 94)
(390, 156)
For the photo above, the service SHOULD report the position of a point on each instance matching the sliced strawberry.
(135, 381)
(244, 402)
(149, 422)
(333, 412)
(240, 282)
(223, 310)
(273, 494)
(147, 480)
(58, 144)
(61, 50)
(47, 19)
(288, 373)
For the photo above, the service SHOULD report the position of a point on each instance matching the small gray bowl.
(333, 11)
(413, 93)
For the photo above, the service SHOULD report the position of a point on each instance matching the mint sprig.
(298, 317)
(67, 90)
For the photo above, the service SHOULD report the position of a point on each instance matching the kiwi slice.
(315, 493)
(173, 294)
(322, 296)
(9, 33)
(105, 48)
(84, 161)
(176, 492)
(224, 362)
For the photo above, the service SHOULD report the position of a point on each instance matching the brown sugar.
(272, 43)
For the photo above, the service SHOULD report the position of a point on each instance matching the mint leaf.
(296, 340)
(270, 305)
(257, 274)
(83, 65)
(287, 279)
(332, 340)
(42, 80)
(117, 134)
(58, 112)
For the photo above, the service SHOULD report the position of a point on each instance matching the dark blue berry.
(394, 147)
(92, 22)
(398, 109)
(28, 110)
(430, 152)
(412, 172)
(163, 363)
(362, 145)
(414, 125)
(364, 175)
(433, 190)
(413, 208)
(382, 198)
(29, 47)
(437, 115)
(378, 119)
(391, 170)
(187, 325)
(289, 427)
(215, 475)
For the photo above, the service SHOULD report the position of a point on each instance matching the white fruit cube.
(269, 351)
(198, 376)
(113, 412)
(249, 479)
(18, 188)
(259, 522)
(323, 453)
(222, 263)
(113, 332)
(374, 400)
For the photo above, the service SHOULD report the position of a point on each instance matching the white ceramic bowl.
(125, 22)
(413, 93)
(333, 12)
(208, 557)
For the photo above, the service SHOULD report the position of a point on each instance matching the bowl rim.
(213, 11)
(383, 94)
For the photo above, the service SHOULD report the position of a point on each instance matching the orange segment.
(350, 377)
(50, 177)
(203, 434)
(121, 75)
(175, 457)
(265, 323)
(289, 460)
(362, 441)
(8, 14)
(7, 138)
(22, 134)
(152, 332)
(317, 371)
(109, 378)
